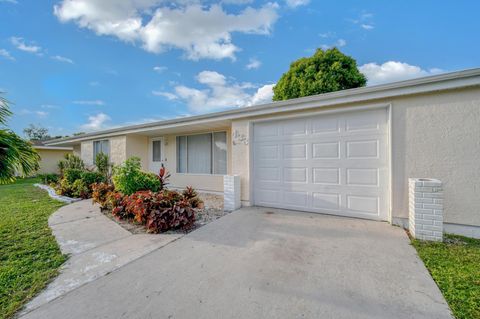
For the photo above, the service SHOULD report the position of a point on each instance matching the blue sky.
(82, 65)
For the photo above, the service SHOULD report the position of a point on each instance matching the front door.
(156, 154)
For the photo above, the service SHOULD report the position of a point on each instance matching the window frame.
(160, 141)
(212, 161)
(94, 152)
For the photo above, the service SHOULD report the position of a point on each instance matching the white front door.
(333, 163)
(156, 154)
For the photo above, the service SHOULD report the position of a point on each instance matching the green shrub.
(64, 188)
(71, 161)
(48, 179)
(92, 177)
(102, 164)
(72, 174)
(128, 178)
(80, 189)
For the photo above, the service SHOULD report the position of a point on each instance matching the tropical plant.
(128, 178)
(91, 178)
(100, 194)
(17, 156)
(103, 165)
(325, 71)
(71, 161)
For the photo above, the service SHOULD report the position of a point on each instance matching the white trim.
(447, 81)
(390, 162)
(150, 153)
(53, 148)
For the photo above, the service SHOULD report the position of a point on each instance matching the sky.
(85, 65)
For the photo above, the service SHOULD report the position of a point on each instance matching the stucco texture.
(49, 160)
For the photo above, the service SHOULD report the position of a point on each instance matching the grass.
(455, 267)
(29, 254)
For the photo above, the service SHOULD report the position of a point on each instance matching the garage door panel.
(331, 164)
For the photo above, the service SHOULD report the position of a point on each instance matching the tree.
(325, 71)
(33, 132)
(17, 155)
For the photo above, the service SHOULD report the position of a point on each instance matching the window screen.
(102, 146)
(202, 153)
(157, 151)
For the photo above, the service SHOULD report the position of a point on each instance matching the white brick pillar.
(231, 192)
(425, 208)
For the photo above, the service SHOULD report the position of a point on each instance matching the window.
(102, 146)
(202, 153)
(157, 151)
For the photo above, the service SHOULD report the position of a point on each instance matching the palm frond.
(4, 110)
(17, 157)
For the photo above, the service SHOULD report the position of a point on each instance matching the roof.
(445, 81)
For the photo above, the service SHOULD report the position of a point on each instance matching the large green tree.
(326, 71)
(17, 156)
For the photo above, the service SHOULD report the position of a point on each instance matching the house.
(347, 153)
(50, 156)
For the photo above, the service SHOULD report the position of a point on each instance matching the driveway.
(266, 263)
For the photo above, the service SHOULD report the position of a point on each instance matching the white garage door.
(335, 164)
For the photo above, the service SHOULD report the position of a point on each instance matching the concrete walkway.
(96, 245)
(265, 263)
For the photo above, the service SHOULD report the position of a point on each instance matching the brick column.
(425, 208)
(231, 192)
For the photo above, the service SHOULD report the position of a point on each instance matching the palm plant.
(17, 156)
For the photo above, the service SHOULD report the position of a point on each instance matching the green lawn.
(455, 266)
(29, 254)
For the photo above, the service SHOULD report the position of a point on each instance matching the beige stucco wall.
(137, 145)
(77, 149)
(435, 135)
(49, 160)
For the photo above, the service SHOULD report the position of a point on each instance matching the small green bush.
(102, 164)
(71, 161)
(128, 178)
(72, 174)
(48, 179)
(80, 189)
(92, 177)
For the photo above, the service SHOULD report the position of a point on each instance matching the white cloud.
(10, 1)
(89, 102)
(5, 54)
(96, 122)
(392, 71)
(297, 3)
(200, 31)
(49, 106)
(20, 44)
(219, 93)
(339, 43)
(367, 26)
(167, 95)
(41, 113)
(159, 69)
(253, 64)
(62, 59)
(94, 83)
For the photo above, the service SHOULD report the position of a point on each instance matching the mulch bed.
(213, 210)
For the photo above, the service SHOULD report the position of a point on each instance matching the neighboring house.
(348, 153)
(50, 156)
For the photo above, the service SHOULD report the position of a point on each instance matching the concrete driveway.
(266, 263)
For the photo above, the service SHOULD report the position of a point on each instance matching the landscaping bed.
(213, 210)
(455, 266)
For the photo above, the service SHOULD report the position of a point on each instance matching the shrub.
(92, 177)
(128, 178)
(100, 192)
(48, 179)
(103, 165)
(71, 161)
(80, 189)
(192, 196)
(64, 188)
(159, 212)
(72, 174)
